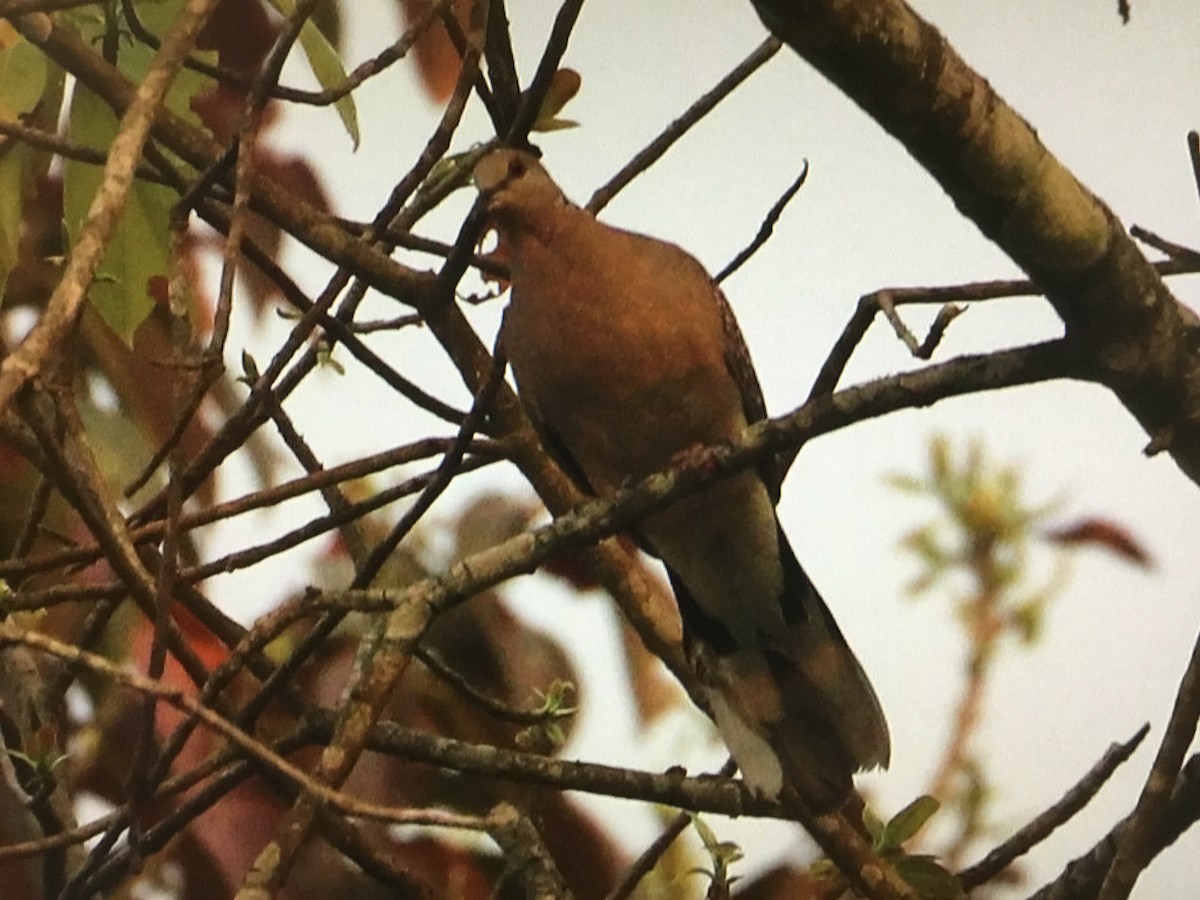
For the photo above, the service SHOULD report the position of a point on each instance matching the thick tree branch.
(1130, 331)
(598, 519)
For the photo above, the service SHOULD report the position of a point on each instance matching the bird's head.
(517, 190)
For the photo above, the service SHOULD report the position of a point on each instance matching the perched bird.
(626, 354)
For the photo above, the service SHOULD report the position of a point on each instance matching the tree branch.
(65, 304)
(1140, 836)
(1129, 330)
(1041, 827)
(1081, 879)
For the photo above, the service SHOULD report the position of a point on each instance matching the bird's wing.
(555, 446)
(741, 370)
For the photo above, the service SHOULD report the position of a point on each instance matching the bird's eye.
(516, 167)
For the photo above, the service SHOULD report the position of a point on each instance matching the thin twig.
(923, 349)
(970, 292)
(526, 855)
(475, 79)
(766, 229)
(267, 497)
(38, 504)
(1193, 145)
(1045, 824)
(480, 697)
(552, 53)
(181, 700)
(447, 469)
(501, 64)
(869, 304)
(1171, 249)
(410, 241)
(368, 69)
(648, 859)
(77, 476)
(68, 149)
(254, 554)
(648, 155)
(140, 786)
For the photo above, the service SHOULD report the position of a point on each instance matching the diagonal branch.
(66, 303)
(1140, 837)
(1130, 331)
(1043, 825)
(1081, 879)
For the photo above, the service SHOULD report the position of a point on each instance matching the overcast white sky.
(1113, 102)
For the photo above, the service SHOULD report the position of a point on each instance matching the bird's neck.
(540, 240)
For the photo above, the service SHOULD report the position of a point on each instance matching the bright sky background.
(1110, 101)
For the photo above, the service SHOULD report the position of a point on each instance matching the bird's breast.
(624, 389)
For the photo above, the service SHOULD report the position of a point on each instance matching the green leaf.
(707, 836)
(909, 484)
(449, 173)
(721, 852)
(563, 87)
(929, 878)
(326, 65)
(544, 126)
(1027, 620)
(22, 79)
(137, 251)
(908, 822)
(556, 699)
(873, 824)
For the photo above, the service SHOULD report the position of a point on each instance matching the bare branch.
(526, 854)
(1141, 836)
(649, 154)
(766, 229)
(649, 857)
(1081, 879)
(1040, 828)
(556, 46)
(14, 634)
(1193, 144)
(1123, 321)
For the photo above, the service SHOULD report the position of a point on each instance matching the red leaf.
(437, 61)
(241, 32)
(1105, 534)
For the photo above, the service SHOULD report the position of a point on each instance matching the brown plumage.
(626, 354)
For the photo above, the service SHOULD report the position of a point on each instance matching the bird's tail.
(819, 673)
(798, 707)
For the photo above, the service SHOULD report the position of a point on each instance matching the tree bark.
(1128, 330)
